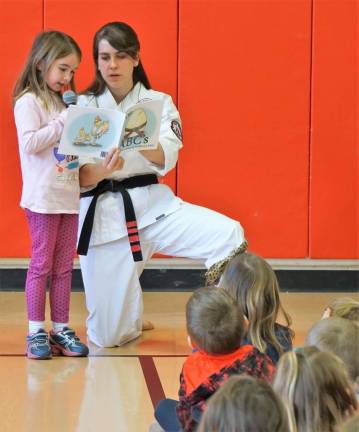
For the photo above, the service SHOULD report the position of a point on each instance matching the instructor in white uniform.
(125, 214)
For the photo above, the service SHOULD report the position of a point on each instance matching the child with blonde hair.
(253, 283)
(316, 390)
(244, 404)
(338, 336)
(50, 194)
(344, 307)
(351, 425)
(215, 325)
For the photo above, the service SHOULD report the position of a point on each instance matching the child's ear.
(327, 313)
(246, 323)
(40, 66)
(189, 341)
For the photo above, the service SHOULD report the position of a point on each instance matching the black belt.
(131, 223)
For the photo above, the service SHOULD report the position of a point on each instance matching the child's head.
(50, 66)
(339, 336)
(344, 307)
(351, 425)
(252, 281)
(316, 389)
(244, 404)
(215, 322)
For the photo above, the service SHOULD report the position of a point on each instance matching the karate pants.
(111, 277)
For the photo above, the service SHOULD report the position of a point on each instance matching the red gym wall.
(267, 91)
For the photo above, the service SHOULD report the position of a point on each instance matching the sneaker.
(66, 342)
(37, 346)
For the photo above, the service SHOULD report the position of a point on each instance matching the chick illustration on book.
(100, 127)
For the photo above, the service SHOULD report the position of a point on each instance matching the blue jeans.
(166, 415)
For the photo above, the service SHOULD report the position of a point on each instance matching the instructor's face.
(116, 67)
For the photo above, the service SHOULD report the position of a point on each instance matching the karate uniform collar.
(106, 100)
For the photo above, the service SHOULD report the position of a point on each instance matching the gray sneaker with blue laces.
(66, 342)
(38, 346)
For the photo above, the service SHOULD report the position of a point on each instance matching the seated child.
(215, 325)
(253, 283)
(338, 336)
(351, 425)
(343, 307)
(316, 389)
(244, 404)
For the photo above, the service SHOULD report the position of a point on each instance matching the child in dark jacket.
(215, 326)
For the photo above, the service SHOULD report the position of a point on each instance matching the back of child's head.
(351, 425)
(253, 283)
(47, 47)
(345, 307)
(244, 404)
(215, 322)
(339, 336)
(316, 389)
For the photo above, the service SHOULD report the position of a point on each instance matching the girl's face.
(61, 72)
(115, 67)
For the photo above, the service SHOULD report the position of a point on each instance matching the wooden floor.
(113, 389)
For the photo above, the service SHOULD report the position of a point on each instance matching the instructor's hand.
(113, 161)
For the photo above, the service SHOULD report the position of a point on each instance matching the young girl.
(316, 390)
(253, 283)
(244, 404)
(50, 194)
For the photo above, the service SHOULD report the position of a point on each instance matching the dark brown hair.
(123, 38)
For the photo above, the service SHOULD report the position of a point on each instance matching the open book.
(91, 131)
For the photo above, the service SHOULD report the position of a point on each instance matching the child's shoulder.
(27, 98)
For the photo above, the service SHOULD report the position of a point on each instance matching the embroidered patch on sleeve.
(176, 127)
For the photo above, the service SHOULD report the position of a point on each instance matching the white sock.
(35, 326)
(58, 326)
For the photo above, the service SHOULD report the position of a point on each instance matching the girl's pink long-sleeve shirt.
(50, 180)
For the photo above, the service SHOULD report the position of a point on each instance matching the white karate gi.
(166, 225)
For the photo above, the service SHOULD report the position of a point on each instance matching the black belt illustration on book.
(131, 222)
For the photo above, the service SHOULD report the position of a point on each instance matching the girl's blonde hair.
(351, 425)
(316, 390)
(339, 336)
(244, 404)
(48, 46)
(253, 283)
(345, 307)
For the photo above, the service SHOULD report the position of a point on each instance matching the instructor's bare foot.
(147, 325)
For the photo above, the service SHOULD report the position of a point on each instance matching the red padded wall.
(20, 22)
(334, 214)
(268, 96)
(16, 36)
(244, 85)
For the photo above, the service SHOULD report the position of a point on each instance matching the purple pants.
(53, 238)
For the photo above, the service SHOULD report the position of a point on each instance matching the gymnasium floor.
(113, 389)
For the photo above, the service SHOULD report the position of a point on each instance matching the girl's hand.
(113, 161)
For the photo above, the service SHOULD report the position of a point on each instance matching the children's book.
(91, 131)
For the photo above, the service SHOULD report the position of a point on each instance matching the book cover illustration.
(91, 131)
(142, 126)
